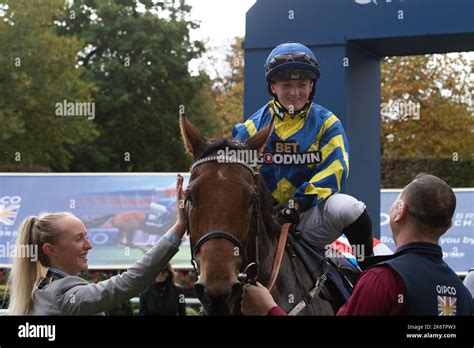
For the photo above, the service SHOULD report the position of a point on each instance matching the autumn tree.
(426, 110)
(227, 87)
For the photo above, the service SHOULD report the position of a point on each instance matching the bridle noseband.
(252, 267)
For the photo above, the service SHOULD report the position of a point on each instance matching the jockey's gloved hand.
(289, 211)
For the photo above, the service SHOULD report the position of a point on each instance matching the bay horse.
(228, 211)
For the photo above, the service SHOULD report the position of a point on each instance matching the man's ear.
(401, 211)
(259, 139)
(194, 141)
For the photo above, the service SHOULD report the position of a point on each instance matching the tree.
(137, 55)
(37, 70)
(227, 89)
(441, 85)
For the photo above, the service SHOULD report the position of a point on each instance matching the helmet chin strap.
(280, 110)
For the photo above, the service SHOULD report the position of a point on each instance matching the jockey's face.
(292, 94)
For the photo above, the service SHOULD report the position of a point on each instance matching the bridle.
(250, 272)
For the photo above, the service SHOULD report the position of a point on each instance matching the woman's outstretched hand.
(180, 225)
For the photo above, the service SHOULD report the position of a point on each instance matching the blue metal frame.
(339, 29)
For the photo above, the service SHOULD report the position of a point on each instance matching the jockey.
(162, 213)
(158, 208)
(314, 145)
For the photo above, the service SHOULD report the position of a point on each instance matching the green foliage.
(37, 70)
(228, 91)
(4, 297)
(130, 58)
(122, 309)
(138, 60)
(441, 141)
(399, 172)
(442, 86)
(191, 311)
(187, 279)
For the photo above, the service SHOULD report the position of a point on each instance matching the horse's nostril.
(218, 300)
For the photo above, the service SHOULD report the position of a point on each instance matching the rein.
(278, 255)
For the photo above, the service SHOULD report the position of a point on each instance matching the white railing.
(188, 301)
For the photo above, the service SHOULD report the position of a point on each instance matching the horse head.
(220, 210)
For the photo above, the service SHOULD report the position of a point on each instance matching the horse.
(228, 212)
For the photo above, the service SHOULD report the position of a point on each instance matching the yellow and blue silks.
(314, 129)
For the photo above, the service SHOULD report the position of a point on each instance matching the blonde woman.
(51, 286)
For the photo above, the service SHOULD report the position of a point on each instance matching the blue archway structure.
(349, 37)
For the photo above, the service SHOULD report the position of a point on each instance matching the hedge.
(397, 173)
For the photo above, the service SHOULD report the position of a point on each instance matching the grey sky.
(221, 21)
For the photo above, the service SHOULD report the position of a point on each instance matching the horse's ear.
(193, 140)
(259, 139)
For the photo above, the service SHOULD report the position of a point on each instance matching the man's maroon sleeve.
(276, 311)
(379, 291)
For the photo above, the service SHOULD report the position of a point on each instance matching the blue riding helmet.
(291, 61)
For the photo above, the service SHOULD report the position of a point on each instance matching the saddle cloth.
(341, 276)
